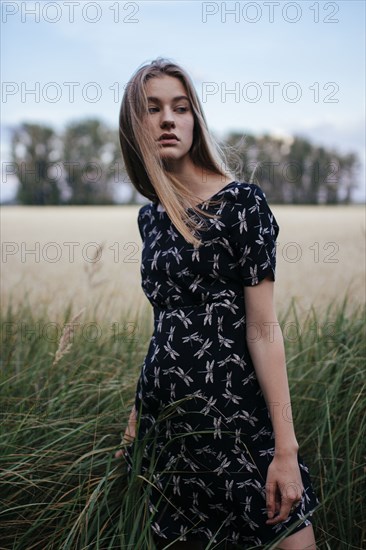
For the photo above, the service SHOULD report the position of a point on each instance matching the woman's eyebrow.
(177, 98)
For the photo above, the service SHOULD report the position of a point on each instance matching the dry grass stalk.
(94, 266)
(67, 333)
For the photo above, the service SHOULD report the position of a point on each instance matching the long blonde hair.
(143, 163)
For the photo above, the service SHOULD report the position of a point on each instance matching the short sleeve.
(140, 221)
(253, 232)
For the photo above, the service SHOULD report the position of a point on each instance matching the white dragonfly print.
(209, 372)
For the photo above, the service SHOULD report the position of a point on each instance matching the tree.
(34, 150)
(293, 170)
(89, 152)
(85, 163)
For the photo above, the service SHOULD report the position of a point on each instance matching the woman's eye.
(181, 109)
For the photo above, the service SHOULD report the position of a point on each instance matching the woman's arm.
(130, 431)
(266, 348)
(131, 426)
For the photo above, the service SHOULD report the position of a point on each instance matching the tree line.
(83, 165)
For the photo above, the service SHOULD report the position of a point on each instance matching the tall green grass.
(62, 488)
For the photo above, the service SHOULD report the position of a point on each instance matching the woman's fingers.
(284, 488)
(270, 499)
(130, 433)
(283, 512)
(127, 439)
(290, 498)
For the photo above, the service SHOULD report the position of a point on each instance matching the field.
(320, 255)
(66, 394)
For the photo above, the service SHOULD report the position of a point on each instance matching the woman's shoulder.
(143, 217)
(145, 212)
(247, 202)
(244, 193)
(144, 208)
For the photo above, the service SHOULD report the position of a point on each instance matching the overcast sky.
(297, 68)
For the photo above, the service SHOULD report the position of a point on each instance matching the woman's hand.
(284, 487)
(129, 434)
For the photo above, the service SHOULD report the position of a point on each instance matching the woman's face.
(169, 112)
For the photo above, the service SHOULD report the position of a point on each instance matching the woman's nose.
(167, 118)
(167, 124)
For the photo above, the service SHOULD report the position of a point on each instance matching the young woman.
(212, 401)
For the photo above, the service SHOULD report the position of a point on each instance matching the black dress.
(208, 437)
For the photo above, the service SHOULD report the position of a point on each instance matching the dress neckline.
(157, 204)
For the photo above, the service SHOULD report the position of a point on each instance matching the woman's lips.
(170, 141)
